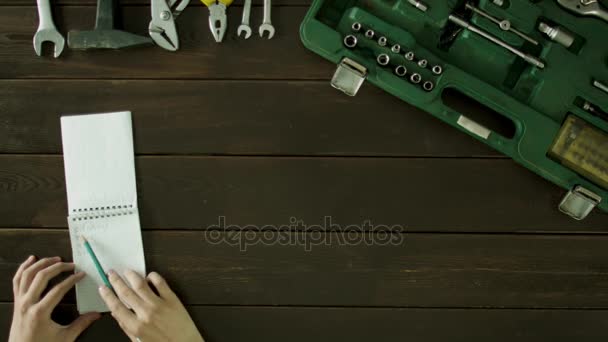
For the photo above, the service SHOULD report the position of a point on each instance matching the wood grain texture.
(298, 324)
(202, 117)
(472, 195)
(199, 57)
(418, 270)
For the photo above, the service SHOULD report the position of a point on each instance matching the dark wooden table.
(251, 130)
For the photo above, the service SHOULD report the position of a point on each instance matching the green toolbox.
(529, 78)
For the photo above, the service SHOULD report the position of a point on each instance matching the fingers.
(54, 296)
(30, 272)
(124, 316)
(162, 287)
(140, 286)
(80, 324)
(17, 278)
(125, 293)
(41, 279)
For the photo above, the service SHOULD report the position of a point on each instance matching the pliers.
(217, 17)
(585, 7)
(162, 26)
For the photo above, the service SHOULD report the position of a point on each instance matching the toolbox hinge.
(349, 76)
(579, 202)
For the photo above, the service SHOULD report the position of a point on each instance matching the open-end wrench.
(585, 7)
(244, 27)
(47, 32)
(266, 24)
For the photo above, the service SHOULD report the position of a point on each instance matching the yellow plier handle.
(212, 2)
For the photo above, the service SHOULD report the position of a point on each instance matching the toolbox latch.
(579, 202)
(349, 76)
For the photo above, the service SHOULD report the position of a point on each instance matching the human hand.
(32, 312)
(153, 317)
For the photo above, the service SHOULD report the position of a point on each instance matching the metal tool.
(416, 78)
(217, 17)
(419, 5)
(594, 110)
(428, 86)
(504, 24)
(437, 70)
(244, 27)
(585, 7)
(383, 59)
(557, 34)
(350, 41)
(266, 24)
(47, 32)
(162, 26)
(601, 86)
(528, 58)
(400, 70)
(104, 36)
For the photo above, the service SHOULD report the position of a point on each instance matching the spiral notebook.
(102, 199)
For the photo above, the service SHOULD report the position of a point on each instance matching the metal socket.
(416, 78)
(557, 34)
(356, 27)
(350, 41)
(423, 63)
(400, 70)
(428, 86)
(370, 34)
(437, 70)
(410, 55)
(601, 86)
(382, 41)
(396, 48)
(383, 59)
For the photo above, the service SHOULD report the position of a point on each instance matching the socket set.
(404, 63)
(539, 67)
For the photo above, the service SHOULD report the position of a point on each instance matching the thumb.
(80, 324)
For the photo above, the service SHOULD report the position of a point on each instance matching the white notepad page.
(102, 199)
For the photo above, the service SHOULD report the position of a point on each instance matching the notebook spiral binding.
(83, 214)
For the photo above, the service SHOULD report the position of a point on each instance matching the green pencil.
(102, 273)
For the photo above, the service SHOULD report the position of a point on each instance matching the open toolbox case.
(555, 110)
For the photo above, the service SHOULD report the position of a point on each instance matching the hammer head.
(105, 39)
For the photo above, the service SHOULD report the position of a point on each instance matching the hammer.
(104, 36)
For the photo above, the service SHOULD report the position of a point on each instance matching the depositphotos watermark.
(297, 233)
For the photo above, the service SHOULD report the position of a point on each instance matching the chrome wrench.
(47, 32)
(244, 27)
(585, 7)
(266, 24)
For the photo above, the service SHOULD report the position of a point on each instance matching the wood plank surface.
(411, 270)
(472, 195)
(199, 57)
(302, 324)
(251, 131)
(201, 117)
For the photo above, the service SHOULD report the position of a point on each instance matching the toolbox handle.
(471, 112)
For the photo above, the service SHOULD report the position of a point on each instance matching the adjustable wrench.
(585, 7)
(266, 24)
(244, 27)
(47, 32)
